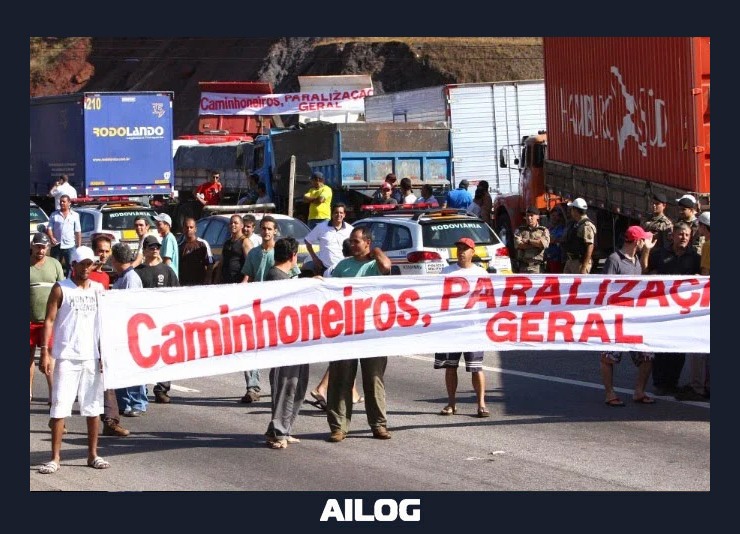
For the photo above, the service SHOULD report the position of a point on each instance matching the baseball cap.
(687, 201)
(465, 241)
(704, 218)
(317, 176)
(390, 177)
(40, 238)
(463, 183)
(634, 233)
(578, 203)
(84, 253)
(532, 209)
(163, 217)
(660, 197)
(151, 240)
(386, 186)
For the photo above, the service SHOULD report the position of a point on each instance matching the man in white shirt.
(65, 233)
(62, 187)
(473, 360)
(329, 236)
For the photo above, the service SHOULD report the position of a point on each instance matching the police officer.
(530, 241)
(659, 225)
(687, 214)
(580, 237)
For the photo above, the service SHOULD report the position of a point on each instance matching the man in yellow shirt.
(319, 200)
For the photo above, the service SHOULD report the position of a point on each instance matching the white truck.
(483, 118)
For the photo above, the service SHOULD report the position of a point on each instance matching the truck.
(483, 118)
(354, 158)
(627, 118)
(109, 144)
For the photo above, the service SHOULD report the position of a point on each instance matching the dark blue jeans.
(64, 255)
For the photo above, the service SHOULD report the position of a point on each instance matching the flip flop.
(644, 400)
(483, 412)
(360, 399)
(448, 410)
(616, 402)
(98, 463)
(319, 401)
(49, 468)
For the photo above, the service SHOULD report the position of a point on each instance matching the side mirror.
(503, 156)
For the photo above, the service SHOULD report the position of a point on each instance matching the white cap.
(84, 253)
(704, 218)
(163, 217)
(689, 201)
(578, 203)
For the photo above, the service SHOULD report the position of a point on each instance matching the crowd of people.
(64, 324)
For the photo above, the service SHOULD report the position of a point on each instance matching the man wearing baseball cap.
(72, 318)
(687, 213)
(530, 241)
(386, 194)
(460, 197)
(45, 272)
(659, 224)
(580, 236)
(625, 261)
(318, 199)
(450, 361)
(169, 253)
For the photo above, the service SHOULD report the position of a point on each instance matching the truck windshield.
(38, 215)
(124, 219)
(444, 234)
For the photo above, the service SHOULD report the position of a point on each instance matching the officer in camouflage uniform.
(530, 241)
(687, 214)
(580, 237)
(659, 225)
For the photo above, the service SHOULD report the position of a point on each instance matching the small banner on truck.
(284, 104)
(190, 332)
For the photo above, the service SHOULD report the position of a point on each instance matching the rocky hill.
(62, 65)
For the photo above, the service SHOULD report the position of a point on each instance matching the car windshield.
(443, 234)
(124, 219)
(292, 228)
(38, 215)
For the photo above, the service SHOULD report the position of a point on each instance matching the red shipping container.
(635, 106)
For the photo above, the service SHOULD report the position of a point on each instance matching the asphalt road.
(549, 430)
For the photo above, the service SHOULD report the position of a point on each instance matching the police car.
(38, 216)
(422, 241)
(114, 218)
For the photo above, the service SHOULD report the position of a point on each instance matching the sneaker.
(115, 430)
(250, 396)
(337, 436)
(161, 397)
(381, 432)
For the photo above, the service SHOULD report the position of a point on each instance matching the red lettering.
(508, 331)
(654, 289)
(332, 313)
(516, 286)
(380, 324)
(685, 303)
(243, 333)
(565, 329)
(529, 328)
(705, 296)
(226, 330)
(173, 350)
(617, 299)
(199, 329)
(288, 334)
(404, 304)
(132, 330)
(262, 319)
(573, 299)
(449, 292)
(310, 311)
(602, 292)
(550, 290)
(483, 292)
(619, 335)
(361, 306)
(594, 327)
(349, 318)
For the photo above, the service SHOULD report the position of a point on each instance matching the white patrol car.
(38, 216)
(423, 241)
(114, 219)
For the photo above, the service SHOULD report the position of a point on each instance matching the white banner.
(284, 104)
(153, 335)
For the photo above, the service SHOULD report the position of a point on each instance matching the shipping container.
(483, 119)
(635, 107)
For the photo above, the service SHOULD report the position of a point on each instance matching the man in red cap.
(450, 361)
(386, 195)
(626, 262)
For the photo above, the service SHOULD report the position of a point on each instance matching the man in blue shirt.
(460, 197)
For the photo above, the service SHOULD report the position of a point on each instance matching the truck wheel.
(505, 233)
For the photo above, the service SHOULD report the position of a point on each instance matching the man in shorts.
(450, 361)
(72, 317)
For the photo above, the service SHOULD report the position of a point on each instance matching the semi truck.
(627, 118)
(108, 144)
(483, 119)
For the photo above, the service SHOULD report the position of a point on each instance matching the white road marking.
(183, 389)
(565, 381)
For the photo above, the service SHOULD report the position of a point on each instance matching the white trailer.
(483, 118)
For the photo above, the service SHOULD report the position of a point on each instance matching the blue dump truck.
(109, 144)
(354, 158)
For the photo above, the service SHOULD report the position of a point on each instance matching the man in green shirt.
(45, 272)
(319, 200)
(363, 262)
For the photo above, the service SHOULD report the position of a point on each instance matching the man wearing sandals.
(72, 317)
(627, 262)
(450, 361)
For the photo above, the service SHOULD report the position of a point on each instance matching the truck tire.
(506, 234)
